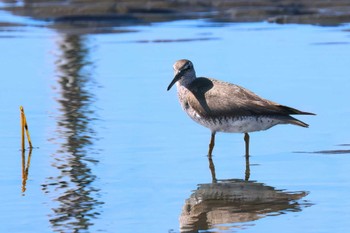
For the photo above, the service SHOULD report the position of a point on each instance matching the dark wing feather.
(213, 98)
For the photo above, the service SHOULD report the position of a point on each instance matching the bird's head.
(184, 71)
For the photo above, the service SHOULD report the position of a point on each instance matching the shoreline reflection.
(227, 204)
(74, 197)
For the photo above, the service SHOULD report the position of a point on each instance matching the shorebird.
(225, 107)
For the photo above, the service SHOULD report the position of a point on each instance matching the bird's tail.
(294, 111)
(291, 120)
(295, 121)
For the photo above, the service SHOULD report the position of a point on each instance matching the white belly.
(242, 124)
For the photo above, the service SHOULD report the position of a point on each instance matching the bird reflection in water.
(234, 203)
(75, 199)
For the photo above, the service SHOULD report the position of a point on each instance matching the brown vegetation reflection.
(75, 199)
(235, 203)
(88, 16)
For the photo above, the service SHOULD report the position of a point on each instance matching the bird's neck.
(183, 86)
(186, 81)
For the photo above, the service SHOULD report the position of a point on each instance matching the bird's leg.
(246, 139)
(211, 144)
(212, 169)
(247, 168)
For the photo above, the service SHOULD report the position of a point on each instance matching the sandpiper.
(225, 107)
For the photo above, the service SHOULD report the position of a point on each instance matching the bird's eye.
(187, 66)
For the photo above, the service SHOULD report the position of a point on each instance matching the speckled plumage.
(225, 107)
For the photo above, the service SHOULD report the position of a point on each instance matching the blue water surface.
(113, 151)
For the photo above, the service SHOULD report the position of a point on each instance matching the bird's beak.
(176, 78)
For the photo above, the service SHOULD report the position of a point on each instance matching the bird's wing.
(213, 98)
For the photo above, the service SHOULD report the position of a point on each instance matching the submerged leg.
(211, 144)
(246, 139)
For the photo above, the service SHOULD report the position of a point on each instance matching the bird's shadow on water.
(233, 204)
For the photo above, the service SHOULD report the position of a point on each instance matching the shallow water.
(115, 153)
